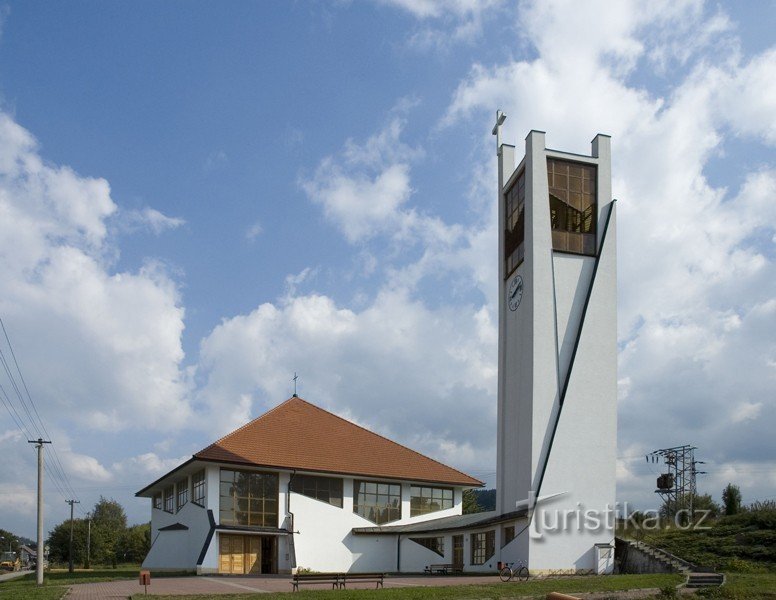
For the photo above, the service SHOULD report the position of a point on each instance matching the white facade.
(542, 448)
(188, 538)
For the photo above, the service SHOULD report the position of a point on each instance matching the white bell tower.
(557, 392)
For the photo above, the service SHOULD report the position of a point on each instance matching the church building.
(300, 487)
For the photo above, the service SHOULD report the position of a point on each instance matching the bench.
(316, 578)
(376, 578)
(441, 569)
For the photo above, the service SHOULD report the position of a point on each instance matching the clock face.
(515, 293)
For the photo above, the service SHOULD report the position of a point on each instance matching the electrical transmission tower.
(677, 485)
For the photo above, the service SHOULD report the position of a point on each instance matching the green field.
(743, 543)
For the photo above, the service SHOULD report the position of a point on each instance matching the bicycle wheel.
(522, 574)
(505, 574)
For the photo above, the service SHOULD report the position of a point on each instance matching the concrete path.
(180, 586)
(13, 575)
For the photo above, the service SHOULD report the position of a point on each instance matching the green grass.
(498, 591)
(743, 543)
(56, 582)
(745, 586)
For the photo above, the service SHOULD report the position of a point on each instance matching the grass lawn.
(498, 591)
(745, 586)
(55, 582)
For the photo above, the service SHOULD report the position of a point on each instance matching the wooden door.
(458, 551)
(225, 552)
(253, 554)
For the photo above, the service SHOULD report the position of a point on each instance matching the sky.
(199, 200)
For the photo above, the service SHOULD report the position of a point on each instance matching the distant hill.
(486, 499)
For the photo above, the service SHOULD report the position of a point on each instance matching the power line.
(54, 468)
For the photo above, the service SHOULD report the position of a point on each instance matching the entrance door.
(253, 555)
(231, 554)
(458, 551)
(243, 554)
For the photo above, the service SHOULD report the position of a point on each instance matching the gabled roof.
(299, 435)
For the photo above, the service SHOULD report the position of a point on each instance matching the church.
(301, 488)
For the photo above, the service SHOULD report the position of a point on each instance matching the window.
(377, 501)
(514, 233)
(509, 535)
(158, 501)
(435, 544)
(483, 546)
(198, 488)
(424, 500)
(325, 489)
(169, 499)
(572, 206)
(183, 493)
(249, 498)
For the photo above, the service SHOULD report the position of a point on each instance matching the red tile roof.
(299, 435)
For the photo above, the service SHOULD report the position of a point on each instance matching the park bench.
(440, 569)
(316, 578)
(376, 578)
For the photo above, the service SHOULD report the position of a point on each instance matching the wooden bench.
(337, 580)
(376, 578)
(316, 578)
(440, 569)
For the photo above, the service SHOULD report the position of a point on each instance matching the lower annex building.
(300, 487)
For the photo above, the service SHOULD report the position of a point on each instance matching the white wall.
(177, 550)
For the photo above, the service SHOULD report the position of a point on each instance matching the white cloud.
(145, 467)
(254, 231)
(149, 219)
(443, 22)
(365, 190)
(108, 343)
(398, 367)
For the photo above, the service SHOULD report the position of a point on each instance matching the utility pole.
(39, 550)
(70, 552)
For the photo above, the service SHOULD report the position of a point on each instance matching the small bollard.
(559, 596)
(145, 580)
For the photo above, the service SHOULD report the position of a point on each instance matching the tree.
(9, 540)
(470, 504)
(134, 543)
(731, 498)
(108, 524)
(59, 541)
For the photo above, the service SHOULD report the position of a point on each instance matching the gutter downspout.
(288, 501)
(398, 553)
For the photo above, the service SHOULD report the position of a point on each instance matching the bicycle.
(519, 572)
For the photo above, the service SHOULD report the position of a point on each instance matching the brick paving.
(180, 586)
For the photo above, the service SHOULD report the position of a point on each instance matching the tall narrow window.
(483, 546)
(514, 227)
(169, 499)
(198, 488)
(377, 501)
(183, 492)
(572, 206)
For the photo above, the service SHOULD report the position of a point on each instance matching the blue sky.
(197, 201)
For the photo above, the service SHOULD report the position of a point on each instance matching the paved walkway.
(179, 586)
(13, 574)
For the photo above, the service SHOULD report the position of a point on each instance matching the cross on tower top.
(500, 118)
(295, 377)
